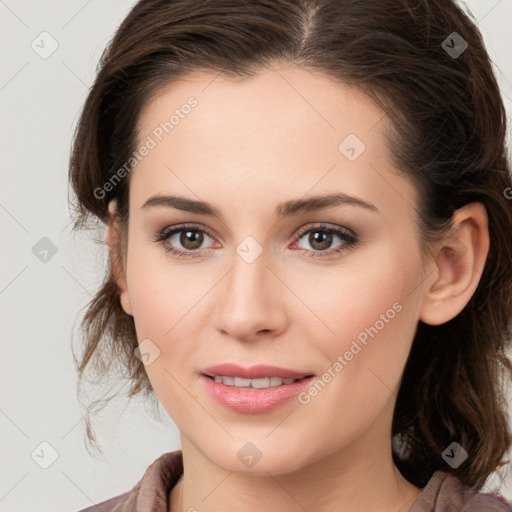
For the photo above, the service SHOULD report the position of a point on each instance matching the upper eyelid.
(193, 227)
(324, 226)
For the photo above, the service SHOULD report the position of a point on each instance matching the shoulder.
(445, 493)
(151, 492)
(110, 505)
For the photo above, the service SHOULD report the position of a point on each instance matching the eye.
(321, 238)
(190, 237)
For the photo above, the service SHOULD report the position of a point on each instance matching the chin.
(251, 460)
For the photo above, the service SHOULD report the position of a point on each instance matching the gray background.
(40, 99)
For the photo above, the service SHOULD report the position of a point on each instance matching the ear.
(116, 261)
(459, 263)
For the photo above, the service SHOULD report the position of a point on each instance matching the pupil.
(315, 239)
(191, 237)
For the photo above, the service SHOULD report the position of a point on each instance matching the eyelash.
(349, 240)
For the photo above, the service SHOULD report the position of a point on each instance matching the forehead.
(281, 96)
(283, 129)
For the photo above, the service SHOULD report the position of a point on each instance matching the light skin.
(247, 147)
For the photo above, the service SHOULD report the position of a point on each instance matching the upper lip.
(254, 372)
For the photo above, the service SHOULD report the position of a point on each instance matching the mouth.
(254, 396)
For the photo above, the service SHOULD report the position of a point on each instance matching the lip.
(254, 372)
(252, 400)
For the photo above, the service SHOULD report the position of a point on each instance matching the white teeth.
(242, 383)
(265, 382)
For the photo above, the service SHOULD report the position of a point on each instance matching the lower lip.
(251, 400)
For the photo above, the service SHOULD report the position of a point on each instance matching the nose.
(250, 302)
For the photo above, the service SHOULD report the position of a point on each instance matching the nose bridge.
(249, 296)
(248, 279)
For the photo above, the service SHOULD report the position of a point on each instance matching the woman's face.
(250, 291)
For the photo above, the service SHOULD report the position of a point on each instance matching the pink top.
(443, 492)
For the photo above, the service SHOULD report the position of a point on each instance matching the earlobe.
(460, 262)
(112, 238)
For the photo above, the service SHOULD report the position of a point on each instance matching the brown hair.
(446, 132)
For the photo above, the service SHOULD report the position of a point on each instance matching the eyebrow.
(286, 209)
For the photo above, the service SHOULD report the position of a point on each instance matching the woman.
(309, 221)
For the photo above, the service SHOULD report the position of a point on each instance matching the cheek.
(164, 313)
(161, 293)
(170, 307)
(346, 300)
(373, 324)
(366, 315)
